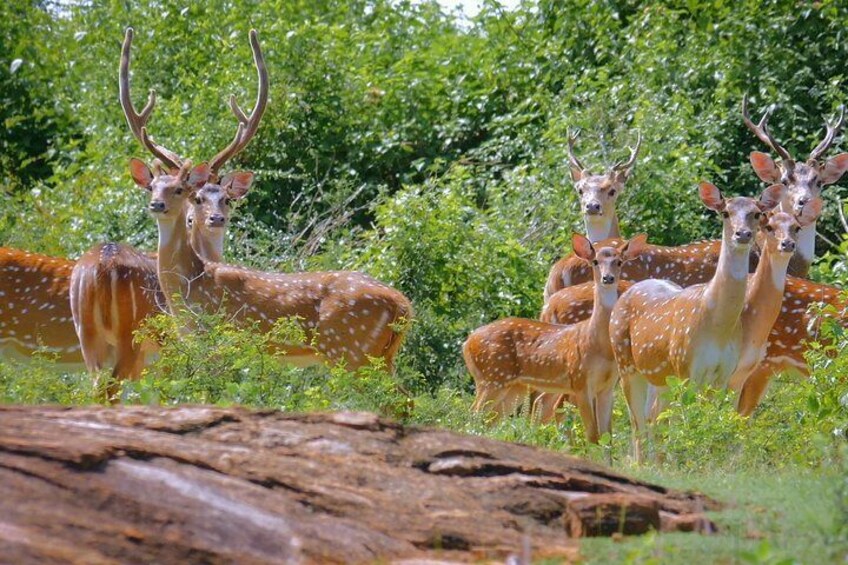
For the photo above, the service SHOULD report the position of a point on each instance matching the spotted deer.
(597, 194)
(659, 329)
(788, 339)
(34, 312)
(766, 286)
(803, 181)
(114, 287)
(348, 317)
(695, 263)
(510, 356)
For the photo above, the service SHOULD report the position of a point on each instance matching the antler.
(832, 131)
(247, 125)
(634, 151)
(138, 121)
(761, 130)
(575, 162)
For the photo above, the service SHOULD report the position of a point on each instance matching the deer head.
(607, 262)
(171, 188)
(803, 181)
(781, 229)
(598, 193)
(741, 216)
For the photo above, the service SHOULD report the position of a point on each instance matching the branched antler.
(247, 125)
(138, 120)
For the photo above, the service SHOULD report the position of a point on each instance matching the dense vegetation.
(430, 152)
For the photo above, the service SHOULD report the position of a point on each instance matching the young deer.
(509, 356)
(766, 287)
(659, 329)
(114, 287)
(803, 181)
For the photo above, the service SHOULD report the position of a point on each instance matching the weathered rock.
(189, 484)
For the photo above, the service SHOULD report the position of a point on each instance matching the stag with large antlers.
(114, 287)
(348, 316)
(659, 329)
(803, 180)
(510, 356)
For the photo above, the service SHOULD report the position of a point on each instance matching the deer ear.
(771, 197)
(810, 213)
(576, 174)
(237, 184)
(583, 248)
(765, 167)
(199, 176)
(834, 168)
(711, 196)
(631, 249)
(141, 174)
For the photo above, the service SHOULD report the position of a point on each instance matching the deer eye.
(769, 229)
(619, 262)
(796, 229)
(612, 192)
(595, 262)
(758, 215)
(725, 215)
(178, 191)
(198, 200)
(228, 201)
(580, 191)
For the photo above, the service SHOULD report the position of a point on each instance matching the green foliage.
(220, 362)
(37, 381)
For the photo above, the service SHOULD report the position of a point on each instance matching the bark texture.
(202, 484)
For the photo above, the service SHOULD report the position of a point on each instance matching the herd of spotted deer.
(731, 312)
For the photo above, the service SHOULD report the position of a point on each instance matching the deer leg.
(585, 403)
(754, 388)
(636, 395)
(605, 402)
(545, 406)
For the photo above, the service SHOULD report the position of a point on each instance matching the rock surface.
(201, 484)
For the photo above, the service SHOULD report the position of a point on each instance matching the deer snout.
(787, 245)
(157, 206)
(743, 236)
(608, 279)
(216, 221)
(593, 208)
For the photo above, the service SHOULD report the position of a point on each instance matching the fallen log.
(203, 484)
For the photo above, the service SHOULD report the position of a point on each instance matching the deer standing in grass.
(114, 287)
(659, 329)
(510, 356)
(348, 317)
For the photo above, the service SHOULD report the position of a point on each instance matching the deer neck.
(724, 296)
(209, 245)
(605, 298)
(601, 227)
(764, 297)
(805, 247)
(178, 263)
